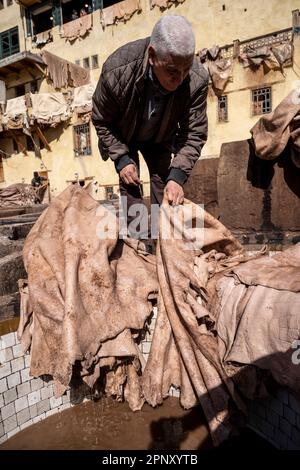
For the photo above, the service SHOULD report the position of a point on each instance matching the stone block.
(3, 385)
(5, 370)
(23, 416)
(43, 406)
(21, 403)
(8, 340)
(17, 364)
(7, 411)
(253, 194)
(34, 397)
(23, 389)
(11, 270)
(17, 350)
(36, 384)
(26, 425)
(6, 355)
(25, 375)
(10, 423)
(55, 402)
(13, 432)
(14, 379)
(33, 411)
(10, 395)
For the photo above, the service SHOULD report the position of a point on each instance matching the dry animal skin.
(219, 314)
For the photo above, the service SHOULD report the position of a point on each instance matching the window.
(1, 171)
(29, 144)
(1, 4)
(34, 86)
(82, 140)
(109, 191)
(222, 109)
(20, 90)
(95, 63)
(9, 2)
(261, 101)
(86, 62)
(42, 18)
(77, 61)
(71, 9)
(9, 42)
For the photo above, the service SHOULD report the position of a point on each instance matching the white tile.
(55, 402)
(27, 424)
(8, 340)
(6, 355)
(39, 418)
(5, 370)
(52, 412)
(8, 411)
(13, 432)
(17, 364)
(21, 403)
(23, 389)
(3, 385)
(25, 375)
(10, 423)
(27, 360)
(3, 439)
(17, 350)
(10, 395)
(34, 397)
(13, 380)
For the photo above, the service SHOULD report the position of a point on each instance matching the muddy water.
(109, 425)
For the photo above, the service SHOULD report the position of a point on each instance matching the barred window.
(86, 62)
(222, 108)
(95, 63)
(109, 191)
(261, 101)
(82, 140)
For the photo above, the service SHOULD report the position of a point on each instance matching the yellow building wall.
(243, 19)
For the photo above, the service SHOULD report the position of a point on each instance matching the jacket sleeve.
(191, 136)
(105, 114)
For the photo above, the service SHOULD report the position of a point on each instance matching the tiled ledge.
(24, 400)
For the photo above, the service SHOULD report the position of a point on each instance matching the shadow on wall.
(256, 387)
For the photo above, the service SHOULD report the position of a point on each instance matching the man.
(37, 180)
(151, 97)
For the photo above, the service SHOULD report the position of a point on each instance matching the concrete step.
(8, 246)
(9, 306)
(11, 270)
(16, 231)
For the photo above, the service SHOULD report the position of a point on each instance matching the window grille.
(86, 62)
(222, 108)
(261, 101)
(95, 63)
(82, 140)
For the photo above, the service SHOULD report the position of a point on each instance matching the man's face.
(170, 70)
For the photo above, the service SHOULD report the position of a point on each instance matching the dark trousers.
(158, 160)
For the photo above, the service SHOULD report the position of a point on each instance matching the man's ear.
(151, 55)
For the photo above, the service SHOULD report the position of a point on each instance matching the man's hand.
(129, 175)
(174, 193)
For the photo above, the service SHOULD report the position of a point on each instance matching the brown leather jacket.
(118, 106)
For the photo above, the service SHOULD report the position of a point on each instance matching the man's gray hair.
(173, 35)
